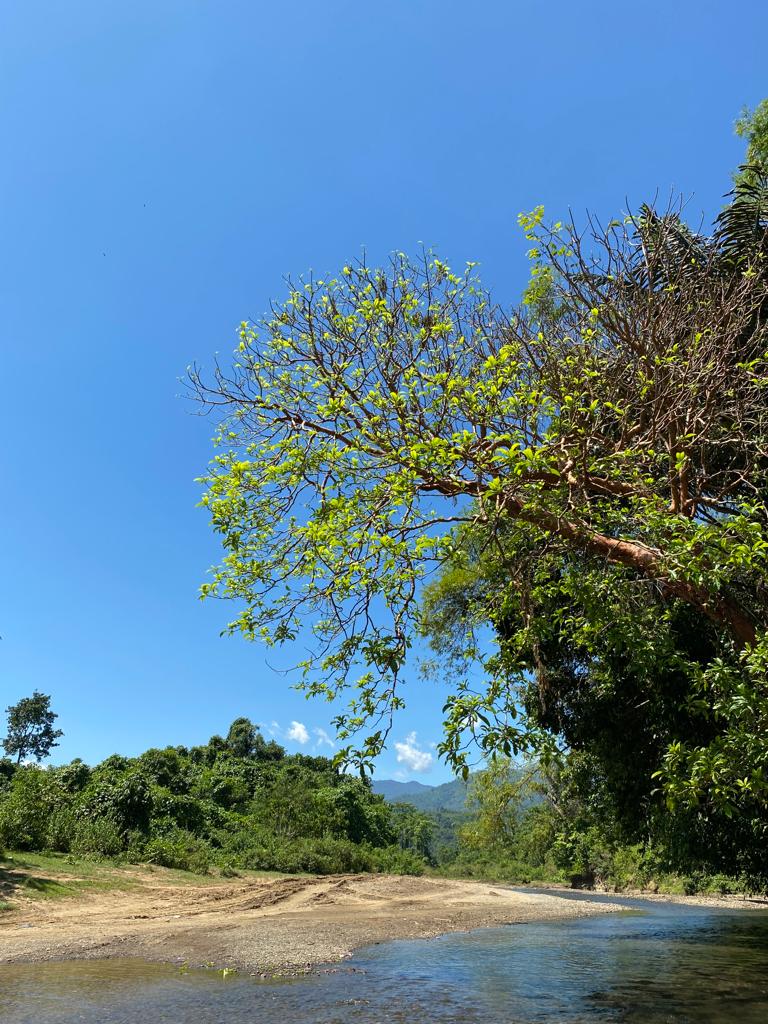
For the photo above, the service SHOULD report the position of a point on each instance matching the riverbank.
(725, 901)
(263, 925)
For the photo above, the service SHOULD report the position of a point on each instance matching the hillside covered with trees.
(241, 803)
(237, 802)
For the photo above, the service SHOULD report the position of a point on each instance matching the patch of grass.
(56, 876)
(54, 863)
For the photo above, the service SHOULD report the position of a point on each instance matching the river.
(653, 963)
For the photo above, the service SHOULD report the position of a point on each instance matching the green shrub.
(677, 885)
(62, 826)
(123, 798)
(628, 869)
(100, 837)
(135, 845)
(497, 868)
(72, 777)
(181, 850)
(256, 849)
(393, 860)
(720, 885)
(26, 808)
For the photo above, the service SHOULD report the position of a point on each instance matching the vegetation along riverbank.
(240, 803)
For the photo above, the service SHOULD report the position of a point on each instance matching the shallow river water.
(654, 962)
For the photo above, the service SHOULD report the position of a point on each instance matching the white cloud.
(298, 733)
(410, 754)
(323, 739)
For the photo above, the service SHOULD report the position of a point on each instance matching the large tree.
(30, 728)
(616, 419)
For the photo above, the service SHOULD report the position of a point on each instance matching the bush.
(181, 850)
(264, 852)
(125, 799)
(393, 860)
(62, 826)
(629, 868)
(72, 777)
(257, 849)
(678, 885)
(25, 811)
(135, 845)
(499, 868)
(720, 885)
(99, 836)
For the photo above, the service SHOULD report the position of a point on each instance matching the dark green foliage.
(72, 777)
(753, 126)
(178, 848)
(26, 808)
(245, 740)
(7, 769)
(126, 798)
(415, 830)
(619, 694)
(575, 836)
(100, 836)
(30, 728)
(239, 803)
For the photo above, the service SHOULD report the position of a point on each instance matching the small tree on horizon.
(245, 740)
(30, 728)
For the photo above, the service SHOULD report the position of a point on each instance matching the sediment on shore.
(266, 925)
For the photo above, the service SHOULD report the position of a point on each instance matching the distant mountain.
(450, 796)
(392, 790)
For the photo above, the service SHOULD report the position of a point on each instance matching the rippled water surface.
(655, 962)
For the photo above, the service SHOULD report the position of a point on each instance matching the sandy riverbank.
(269, 925)
(724, 902)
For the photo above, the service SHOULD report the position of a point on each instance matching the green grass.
(37, 876)
(54, 876)
(61, 863)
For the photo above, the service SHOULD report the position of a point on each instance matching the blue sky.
(165, 164)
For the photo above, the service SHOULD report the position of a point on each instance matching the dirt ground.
(263, 925)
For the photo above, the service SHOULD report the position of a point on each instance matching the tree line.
(236, 802)
(240, 802)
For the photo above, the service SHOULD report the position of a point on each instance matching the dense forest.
(236, 802)
(241, 803)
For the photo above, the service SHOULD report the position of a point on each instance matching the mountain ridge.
(447, 796)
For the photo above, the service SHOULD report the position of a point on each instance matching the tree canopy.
(604, 443)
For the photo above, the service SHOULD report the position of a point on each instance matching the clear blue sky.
(165, 163)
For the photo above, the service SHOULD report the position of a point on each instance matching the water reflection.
(654, 963)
